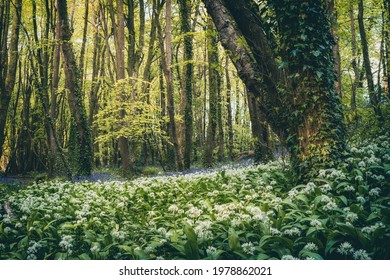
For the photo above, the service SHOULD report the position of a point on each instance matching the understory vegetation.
(249, 212)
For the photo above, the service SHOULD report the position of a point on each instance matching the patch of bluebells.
(8, 181)
(97, 177)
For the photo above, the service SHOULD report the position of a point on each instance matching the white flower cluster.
(292, 232)
(210, 251)
(311, 247)
(248, 248)
(194, 212)
(118, 235)
(66, 243)
(202, 229)
(373, 228)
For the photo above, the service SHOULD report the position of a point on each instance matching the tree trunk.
(336, 46)
(8, 70)
(120, 75)
(82, 51)
(75, 97)
(166, 58)
(367, 64)
(212, 56)
(185, 19)
(386, 5)
(312, 120)
(354, 63)
(229, 110)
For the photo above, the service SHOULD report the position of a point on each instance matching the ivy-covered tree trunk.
(83, 153)
(316, 133)
(299, 102)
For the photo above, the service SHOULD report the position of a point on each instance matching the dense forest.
(217, 129)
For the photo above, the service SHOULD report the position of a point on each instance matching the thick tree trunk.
(316, 130)
(312, 119)
(75, 97)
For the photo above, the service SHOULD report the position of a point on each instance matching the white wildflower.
(361, 199)
(211, 250)
(374, 192)
(248, 248)
(66, 243)
(345, 248)
(351, 217)
(315, 223)
(289, 257)
(173, 208)
(361, 255)
(194, 212)
(310, 247)
(292, 231)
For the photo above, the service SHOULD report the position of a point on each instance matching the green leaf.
(191, 248)
(234, 241)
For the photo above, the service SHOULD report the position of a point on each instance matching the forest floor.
(243, 211)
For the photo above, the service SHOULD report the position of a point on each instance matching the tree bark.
(212, 56)
(354, 63)
(8, 69)
(166, 59)
(75, 97)
(312, 119)
(367, 64)
(120, 75)
(185, 19)
(229, 110)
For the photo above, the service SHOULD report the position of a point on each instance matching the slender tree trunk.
(212, 56)
(120, 75)
(185, 18)
(98, 57)
(166, 55)
(354, 63)
(386, 6)
(83, 44)
(229, 110)
(367, 64)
